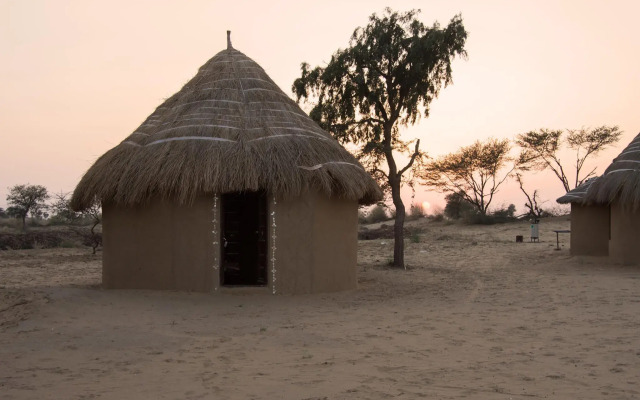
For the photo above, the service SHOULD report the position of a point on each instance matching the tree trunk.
(24, 223)
(398, 226)
(395, 181)
(94, 238)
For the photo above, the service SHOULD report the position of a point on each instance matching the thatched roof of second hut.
(230, 128)
(578, 194)
(620, 182)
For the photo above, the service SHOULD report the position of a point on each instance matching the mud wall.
(589, 230)
(624, 246)
(159, 246)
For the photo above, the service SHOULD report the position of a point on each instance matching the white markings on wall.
(273, 246)
(216, 237)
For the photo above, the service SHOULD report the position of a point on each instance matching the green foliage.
(27, 200)
(473, 172)
(387, 77)
(391, 71)
(414, 238)
(540, 150)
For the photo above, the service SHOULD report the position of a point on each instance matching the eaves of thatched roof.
(578, 194)
(229, 129)
(620, 182)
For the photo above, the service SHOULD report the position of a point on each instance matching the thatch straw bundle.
(578, 194)
(229, 129)
(620, 182)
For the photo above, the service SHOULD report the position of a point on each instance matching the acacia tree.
(541, 150)
(473, 172)
(387, 77)
(27, 199)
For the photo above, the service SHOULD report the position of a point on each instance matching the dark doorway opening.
(244, 239)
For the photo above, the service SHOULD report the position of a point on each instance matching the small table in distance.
(558, 232)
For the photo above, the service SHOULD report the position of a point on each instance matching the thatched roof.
(620, 182)
(229, 129)
(576, 195)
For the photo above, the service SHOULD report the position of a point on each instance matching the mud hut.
(589, 222)
(227, 184)
(619, 187)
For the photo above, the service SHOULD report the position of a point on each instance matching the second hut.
(619, 188)
(589, 223)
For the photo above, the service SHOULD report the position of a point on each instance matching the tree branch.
(415, 154)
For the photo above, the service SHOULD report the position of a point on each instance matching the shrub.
(362, 217)
(414, 238)
(505, 214)
(438, 217)
(416, 211)
(377, 214)
(457, 207)
(479, 219)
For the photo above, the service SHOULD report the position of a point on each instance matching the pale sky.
(77, 77)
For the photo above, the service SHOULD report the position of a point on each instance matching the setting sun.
(426, 205)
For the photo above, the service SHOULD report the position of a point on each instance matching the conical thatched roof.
(230, 128)
(621, 180)
(577, 195)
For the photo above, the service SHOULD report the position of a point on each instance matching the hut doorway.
(244, 239)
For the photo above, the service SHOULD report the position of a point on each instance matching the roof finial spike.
(229, 40)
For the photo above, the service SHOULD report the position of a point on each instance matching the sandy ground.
(475, 316)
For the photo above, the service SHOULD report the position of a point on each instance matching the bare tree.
(532, 204)
(61, 210)
(95, 213)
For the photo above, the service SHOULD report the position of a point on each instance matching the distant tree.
(540, 150)
(61, 210)
(27, 200)
(473, 172)
(457, 206)
(13, 212)
(387, 77)
(3, 213)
